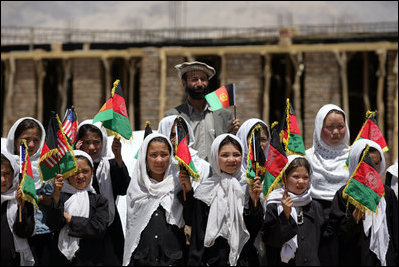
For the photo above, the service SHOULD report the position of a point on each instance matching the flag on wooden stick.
(57, 154)
(364, 188)
(256, 159)
(113, 114)
(292, 138)
(276, 162)
(27, 182)
(222, 98)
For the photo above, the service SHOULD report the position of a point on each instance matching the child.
(79, 217)
(33, 132)
(373, 240)
(292, 226)
(154, 229)
(167, 126)
(15, 250)
(221, 227)
(111, 178)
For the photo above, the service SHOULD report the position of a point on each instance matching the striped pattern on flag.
(68, 129)
(61, 145)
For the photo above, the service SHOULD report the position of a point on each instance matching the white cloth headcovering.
(289, 248)
(77, 205)
(144, 196)
(377, 222)
(103, 172)
(328, 162)
(224, 194)
(34, 158)
(202, 166)
(21, 244)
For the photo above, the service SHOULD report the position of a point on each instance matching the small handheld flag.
(27, 182)
(222, 98)
(70, 125)
(183, 155)
(276, 162)
(113, 114)
(292, 138)
(371, 131)
(364, 188)
(256, 159)
(57, 154)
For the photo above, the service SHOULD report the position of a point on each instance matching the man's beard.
(197, 92)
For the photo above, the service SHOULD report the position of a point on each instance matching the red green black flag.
(276, 162)
(57, 154)
(27, 182)
(222, 98)
(292, 138)
(114, 115)
(256, 159)
(364, 188)
(183, 155)
(371, 131)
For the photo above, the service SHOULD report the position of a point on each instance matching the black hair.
(230, 140)
(88, 161)
(371, 150)
(184, 77)
(88, 128)
(264, 127)
(185, 127)
(298, 162)
(25, 125)
(335, 111)
(5, 160)
(161, 140)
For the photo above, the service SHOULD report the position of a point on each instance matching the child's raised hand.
(78, 144)
(117, 150)
(357, 215)
(287, 202)
(58, 184)
(254, 190)
(184, 179)
(18, 197)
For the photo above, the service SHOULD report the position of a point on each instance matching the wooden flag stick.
(19, 204)
(256, 199)
(235, 112)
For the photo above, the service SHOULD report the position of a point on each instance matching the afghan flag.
(276, 162)
(292, 138)
(70, 125)
(182, 154)
(371, 131)
(147, 131)
(113, 114)
(222, 98)
(27, 182)
(364, 188)
(256, 159)
(57, 154)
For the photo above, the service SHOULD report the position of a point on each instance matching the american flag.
(70, 125)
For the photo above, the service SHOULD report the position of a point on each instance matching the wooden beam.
(40, 74)
(395, 103)
(366, 96)
(266, 95)
(162, 95)
(382, 56)
(342, 61)
(9, 94)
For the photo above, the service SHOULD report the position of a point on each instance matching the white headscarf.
(328, 162)
(77, 205)
(144, 196)
(103, 172)
(21, 244)
(393, 169)
(34, 158)
(202, 166)
(377, 222)
(289, 248)
(224, 194)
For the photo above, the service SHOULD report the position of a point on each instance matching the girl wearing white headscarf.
(292, 236)
(33, 131)
(221, 225)
(373, 240)
(111, 178)
(154, 228)
(202, 166)
(15, 249)
(328, 156)
(243, 133)
(79, 217)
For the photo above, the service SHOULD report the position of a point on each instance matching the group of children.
(219, 220)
